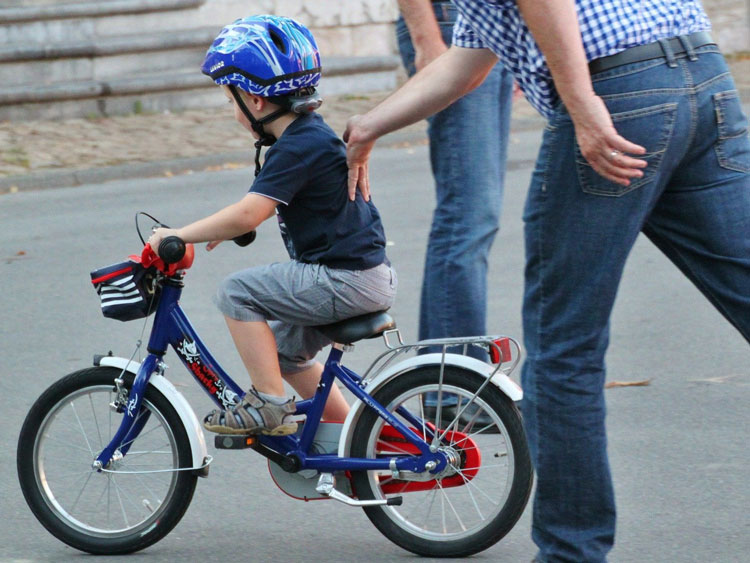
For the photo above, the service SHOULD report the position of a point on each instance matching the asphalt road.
(678, 446)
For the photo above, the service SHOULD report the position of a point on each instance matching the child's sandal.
(253, 415)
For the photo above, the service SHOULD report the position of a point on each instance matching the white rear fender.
(499, 379)
(177, 400)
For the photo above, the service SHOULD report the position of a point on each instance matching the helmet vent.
(278, 41)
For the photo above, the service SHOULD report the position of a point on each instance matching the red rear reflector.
(502, 354)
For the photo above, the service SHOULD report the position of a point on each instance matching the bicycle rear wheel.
(474, 502)
(135, 501)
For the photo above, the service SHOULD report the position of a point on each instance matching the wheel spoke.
(83, 486)
(80, 425)
(453, 508)
(471, 484)
(473, 499)
(96, 421)
(433, 495)
(67, 443)
(140, 434)
(119, 500)
(140, 453)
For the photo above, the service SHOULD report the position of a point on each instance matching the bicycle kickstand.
(327, 486)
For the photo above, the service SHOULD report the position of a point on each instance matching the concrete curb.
(70, 177)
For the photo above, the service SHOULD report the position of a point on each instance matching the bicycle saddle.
(350, 330)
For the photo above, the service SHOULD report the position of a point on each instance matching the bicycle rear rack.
(505, 349)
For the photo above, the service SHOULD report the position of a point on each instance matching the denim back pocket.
(649, 127)
(733, 144)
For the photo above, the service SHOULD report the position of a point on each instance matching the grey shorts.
(294, 297)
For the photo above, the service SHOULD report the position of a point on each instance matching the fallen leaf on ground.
(642, 383)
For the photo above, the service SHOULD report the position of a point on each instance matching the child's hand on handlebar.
(159, 235)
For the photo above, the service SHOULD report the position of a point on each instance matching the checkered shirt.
(607, 27)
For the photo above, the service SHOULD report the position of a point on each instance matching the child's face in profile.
(239, 116)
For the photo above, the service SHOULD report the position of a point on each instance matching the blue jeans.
(468, 148)
(693, 202)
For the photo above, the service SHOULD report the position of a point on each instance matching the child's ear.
(258, 102)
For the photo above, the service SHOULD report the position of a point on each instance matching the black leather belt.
(650, 51)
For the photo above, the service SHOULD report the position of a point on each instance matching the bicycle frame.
(171, 327)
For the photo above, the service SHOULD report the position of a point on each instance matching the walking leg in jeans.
(693, 202)
(468, 149)
(571, 281)
(702, 221)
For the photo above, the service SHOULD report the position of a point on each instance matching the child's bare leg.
(306, 382)
(264, 409)
(257, 347)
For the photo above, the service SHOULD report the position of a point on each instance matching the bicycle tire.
(485, 519)
(100, 512)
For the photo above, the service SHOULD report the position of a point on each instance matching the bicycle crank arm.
(327, 486)
(289, 464)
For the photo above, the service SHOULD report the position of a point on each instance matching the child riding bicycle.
(268, 68)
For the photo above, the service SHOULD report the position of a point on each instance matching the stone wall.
(362, 27)
(341, 28)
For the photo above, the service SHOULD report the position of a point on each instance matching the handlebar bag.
(126, 289)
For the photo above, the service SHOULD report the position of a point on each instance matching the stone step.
(80, 21)
(103, 58)
(172, 91)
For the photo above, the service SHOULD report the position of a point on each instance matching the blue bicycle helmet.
(264, 55)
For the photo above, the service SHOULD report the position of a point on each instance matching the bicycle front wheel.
(478, 498)
(131, 504)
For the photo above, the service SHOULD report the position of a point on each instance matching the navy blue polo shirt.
(305, 170)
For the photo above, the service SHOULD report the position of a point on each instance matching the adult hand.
(358, 149)
(604, 149)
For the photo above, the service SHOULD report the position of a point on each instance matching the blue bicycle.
(109, 456)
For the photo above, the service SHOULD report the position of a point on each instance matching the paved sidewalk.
(49, 154)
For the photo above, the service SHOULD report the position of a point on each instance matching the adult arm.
(424, 31)
(232, 221)
(554, 25)
(449, 77)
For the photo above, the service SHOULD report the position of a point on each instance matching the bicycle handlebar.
(172, 249)
(244, 240)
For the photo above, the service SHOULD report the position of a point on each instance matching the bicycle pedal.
(234, 442)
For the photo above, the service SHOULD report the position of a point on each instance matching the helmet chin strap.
(264, 139)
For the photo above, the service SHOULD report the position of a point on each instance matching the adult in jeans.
(468, 148)
(645, 133)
